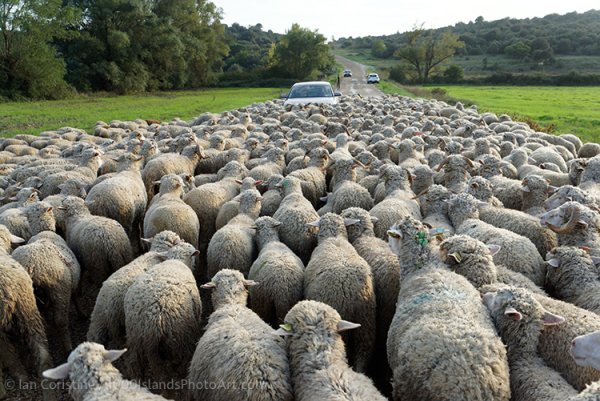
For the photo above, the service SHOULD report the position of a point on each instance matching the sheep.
(313, 175)
(534, 193)
(547, 154)
(572, 277)
(169, 163)
(421, 178)
(54, 270)
(397, 203)
(206, 200)
(71, 187)
(14, 218)
(169, 212)
(575, 224)
(273, 164)
(555, 341)
(86, 172)
(100, 245)
(571, 193)
(325, 367)
(122, 198)
(271, 198)
(437, 306)
(107, 321)
(93, 376)
(339, 277)
(232, 246)
(231, 208)
(278, 270)
(522, 224)
(517, 253)
(584, 350)
(590, 177)
(346, 191)
(294, 213)
(163, 313)
(456, 172)
(434, 207)
(385, 269)
(473, 259)
(481, 189)
(235, 342)
(519, 319)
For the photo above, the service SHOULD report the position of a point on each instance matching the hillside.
(553, 45)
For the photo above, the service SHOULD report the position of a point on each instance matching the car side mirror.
(337, 93)
(283, 95)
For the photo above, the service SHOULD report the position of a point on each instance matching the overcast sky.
(345, 18)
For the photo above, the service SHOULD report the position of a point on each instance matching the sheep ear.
(531, 160)
(316, 223)
(596, 260)
(582, 224)
(551, 189)
(394, 234)
(195, 253)
(16, 240)
(513, 314)
(350, 222)
(494, 249)
(345, 325)
(156, 182)
(250, 283)
(550, 319)
(61, 186)
(239, 181)
(554, 262)
(324, 198)
(114, 354)
(525, 188)
(146, 240)
(474, 185)
(374, 219)
(163, 255)
(58, 373)
(208, 286)
(456, 256)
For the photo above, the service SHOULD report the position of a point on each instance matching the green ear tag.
(286, 327)
(422, 238)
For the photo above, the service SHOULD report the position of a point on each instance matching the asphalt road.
(357, 84)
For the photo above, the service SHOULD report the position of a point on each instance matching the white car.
(372, 78)
(318, 92)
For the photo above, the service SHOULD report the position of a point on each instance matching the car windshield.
(311, 91)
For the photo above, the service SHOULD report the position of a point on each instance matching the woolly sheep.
(122, 198)
(339, 277)
(322, 373)
(398, 202)
(437, 306)
(169, 212)
(107, 321)
(482, 189)
(235, 342)
(294, 213)
(86, 172)
(346, 191)
(571, 193)
(100, 245)
(162, 320)
(517, 253)
(534, 193)
(313, 175)
(271, 198)
(232, 246)
(572, 277)
(456, 172)
(434, 207)
(519, 319)
(575, 224)
(385, 269)
(54, 270)
(231, 208)
(93, 376)
(278, 270)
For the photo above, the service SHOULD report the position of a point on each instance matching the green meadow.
(83, 111)
(562, 110)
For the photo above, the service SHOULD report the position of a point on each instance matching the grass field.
(574, 110)
(84, 111)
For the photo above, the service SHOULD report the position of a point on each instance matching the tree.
(517, 50)
(29, 64)
(378, 48)
(454, 74)
(302, 54)
(425, 51)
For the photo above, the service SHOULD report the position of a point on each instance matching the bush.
(454, 74)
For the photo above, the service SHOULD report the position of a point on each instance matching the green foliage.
(425, 51)
(302, 54)
(29, 66)
(454, 74)
(399, 73)
(517, 50)
(378, 48)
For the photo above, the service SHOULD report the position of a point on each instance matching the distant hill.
(554, 44)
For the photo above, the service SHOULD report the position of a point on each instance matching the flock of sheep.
(380, 247)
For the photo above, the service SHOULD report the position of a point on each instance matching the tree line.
(53, 48)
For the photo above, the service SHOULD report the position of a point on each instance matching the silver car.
(318, 92)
